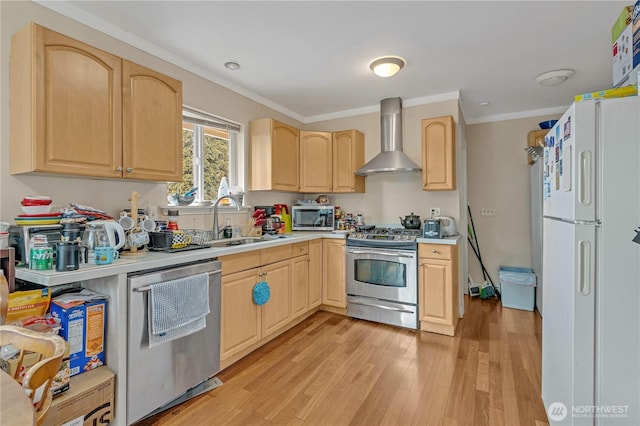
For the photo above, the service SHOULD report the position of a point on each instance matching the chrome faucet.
(216, 230)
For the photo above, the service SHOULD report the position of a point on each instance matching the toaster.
(432, 228)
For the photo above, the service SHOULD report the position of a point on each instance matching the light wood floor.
(333, 370)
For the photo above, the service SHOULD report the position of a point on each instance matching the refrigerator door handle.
(584, 267)
(584, 178)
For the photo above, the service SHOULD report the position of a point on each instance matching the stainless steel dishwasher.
(159, 376)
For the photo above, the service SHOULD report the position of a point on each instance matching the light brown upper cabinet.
(78, 110)
(316, 161)
(152, 124)
(274, 154)
(328, 161)
(438, 154)
(348, 156)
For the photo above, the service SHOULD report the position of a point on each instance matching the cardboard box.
(83, 319)
(61, 380)
(635, 29)
(622, 46)
(10, 365)
(89, 402)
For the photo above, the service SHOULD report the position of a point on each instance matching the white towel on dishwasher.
(177, 308)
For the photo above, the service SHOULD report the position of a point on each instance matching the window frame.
(199, 120)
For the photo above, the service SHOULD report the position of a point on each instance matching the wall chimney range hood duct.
(391, 158)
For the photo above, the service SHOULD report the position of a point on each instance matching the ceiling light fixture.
(553, 78)
(387, 66)
(232, 65)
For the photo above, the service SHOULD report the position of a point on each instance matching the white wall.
(498, 178)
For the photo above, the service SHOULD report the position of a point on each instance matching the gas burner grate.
(393, 231)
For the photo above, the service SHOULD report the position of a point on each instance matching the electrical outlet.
(488, 211)
(435, 211)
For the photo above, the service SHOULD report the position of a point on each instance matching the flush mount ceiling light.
(232, 65)
(387, 66)
(553, 78)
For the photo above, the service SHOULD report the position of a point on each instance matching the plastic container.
(517, 287)
(223, 189)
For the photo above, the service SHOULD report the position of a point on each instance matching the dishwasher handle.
(147, 288)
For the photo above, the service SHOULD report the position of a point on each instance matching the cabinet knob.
(434, 251)
(119, 168)
(420, 264)
(129, 170)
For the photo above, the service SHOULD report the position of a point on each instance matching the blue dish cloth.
(261, 293)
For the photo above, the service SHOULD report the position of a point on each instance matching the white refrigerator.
(535, 181)
(591, 267)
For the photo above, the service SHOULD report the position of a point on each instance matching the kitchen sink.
(235, 242)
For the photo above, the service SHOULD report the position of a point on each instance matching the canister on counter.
(41, 258)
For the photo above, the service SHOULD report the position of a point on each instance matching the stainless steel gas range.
(382, 276)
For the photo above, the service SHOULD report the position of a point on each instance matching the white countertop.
(149, 260)
(453, 240)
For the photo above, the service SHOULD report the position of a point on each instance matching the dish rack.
(200, 237)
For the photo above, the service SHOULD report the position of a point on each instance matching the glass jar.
(172, 223)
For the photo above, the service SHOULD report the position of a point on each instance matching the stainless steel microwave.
(313, 218)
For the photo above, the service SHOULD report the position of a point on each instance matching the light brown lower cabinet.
(438, 288)
(276, 312)
(315, 273)
(300, 279)
(334, 291)
(241, 322)
(286, 269)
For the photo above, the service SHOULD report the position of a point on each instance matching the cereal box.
(622, 46)
(635, 28)
(83, 317)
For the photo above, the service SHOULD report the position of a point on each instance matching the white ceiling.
(310, 60)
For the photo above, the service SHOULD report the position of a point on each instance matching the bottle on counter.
(223, 189)
(228, 230)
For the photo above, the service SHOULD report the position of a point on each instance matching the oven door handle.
(381, 253)
(375, 305)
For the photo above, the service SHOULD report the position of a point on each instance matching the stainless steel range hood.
(391, 158)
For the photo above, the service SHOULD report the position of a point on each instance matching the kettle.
(104, 233)
(411, 221)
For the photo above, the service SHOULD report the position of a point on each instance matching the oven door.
(387, 274)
